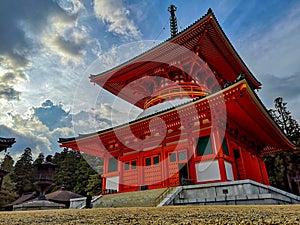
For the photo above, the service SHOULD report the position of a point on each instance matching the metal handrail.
(162, 195)
(82, 204)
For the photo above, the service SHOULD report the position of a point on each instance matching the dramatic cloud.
(23, 140)
(105, 116)
(7, 85)
(52, 116)
(116, 15)
(273, 50)
(19, 27)
(9, 93)
(40, 129)
(66, 40)
(31, 31)
(287, 88)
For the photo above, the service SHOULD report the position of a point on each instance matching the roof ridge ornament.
(173, 21)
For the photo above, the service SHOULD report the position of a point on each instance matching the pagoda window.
(225, 147)
(181, 156)
(127, 166)
(148, 161)
(112, 165)
(172, 157)
(133, 165)
(204, 146)
(156, 160)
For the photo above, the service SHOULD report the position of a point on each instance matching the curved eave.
(115, 79)
(255, 83)
(6, 143)
(243, 107)
(248, 111)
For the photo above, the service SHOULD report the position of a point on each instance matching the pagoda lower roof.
(204, 38)
(242, 106)
(6, 143)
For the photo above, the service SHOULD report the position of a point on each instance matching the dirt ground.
(287, 214)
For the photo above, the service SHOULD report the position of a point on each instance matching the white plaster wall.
(112, 183)
(208, 170)
(229, 171)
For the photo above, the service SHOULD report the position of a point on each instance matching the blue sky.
(49, 48)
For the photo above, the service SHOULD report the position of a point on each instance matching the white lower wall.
(208, 170)
(112, 183)
(229, 171)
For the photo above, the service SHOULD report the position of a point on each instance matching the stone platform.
(242, 192)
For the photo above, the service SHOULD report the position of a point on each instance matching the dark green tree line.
(73, 172)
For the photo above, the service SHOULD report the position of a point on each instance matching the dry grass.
(164, 215)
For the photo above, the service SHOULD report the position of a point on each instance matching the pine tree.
(75, 173)
(67, 162)
(83, 173)
(284, 120)
(7, 163)
(24, 173)
(8, 192)
(40, 159)
(94, 185)
(283, 167)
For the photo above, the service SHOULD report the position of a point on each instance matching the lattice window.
(204, 146)
(112, 165)
(225, 147)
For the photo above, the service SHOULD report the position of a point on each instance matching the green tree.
(83, 173)
(94, 185)
(40, 159)
(284, 120)
(67, 162)
(8, 192)
(74, 172)
(7, 163)
(24, 173)
(285, 166)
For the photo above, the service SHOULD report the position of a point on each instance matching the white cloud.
(287, 88)
(117, 16)
(9, 83)
(276, 50)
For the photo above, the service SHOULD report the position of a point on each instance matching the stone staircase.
(145, 198)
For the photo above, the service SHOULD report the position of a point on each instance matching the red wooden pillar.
(219, 153)
(190, 153)
(121, 174)
(140, 169)
(105, 166)
(264, 173)
(164, 166)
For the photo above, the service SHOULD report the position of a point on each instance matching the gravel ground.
(287, 214)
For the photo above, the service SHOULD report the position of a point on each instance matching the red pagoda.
(202, 121)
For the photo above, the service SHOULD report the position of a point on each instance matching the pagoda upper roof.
(242, 106)
(6, 143)
(204, 36)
